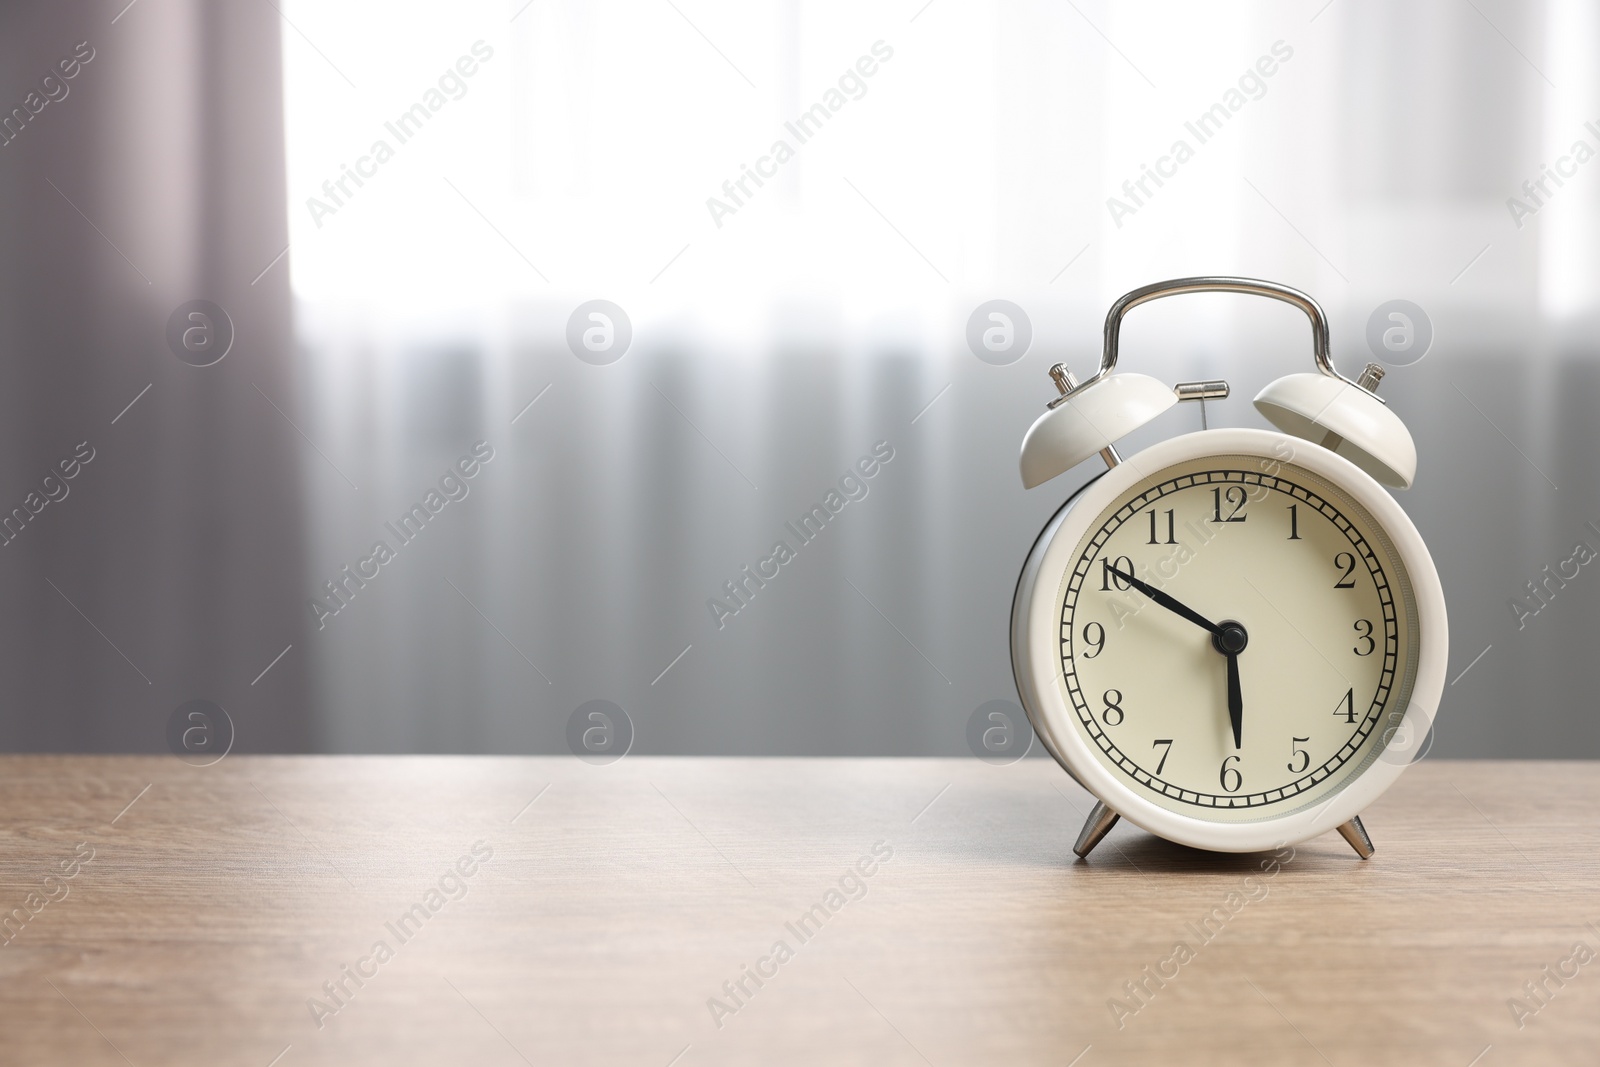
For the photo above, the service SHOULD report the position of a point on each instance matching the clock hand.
(1167, 602)
(1235, 700)
(1231, 640)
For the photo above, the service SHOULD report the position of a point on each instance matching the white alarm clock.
(1223, 636)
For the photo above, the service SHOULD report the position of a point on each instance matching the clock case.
(1331, 426)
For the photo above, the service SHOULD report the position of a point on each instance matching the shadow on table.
(1129, 846)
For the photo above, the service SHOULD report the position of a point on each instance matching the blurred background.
(278, 267)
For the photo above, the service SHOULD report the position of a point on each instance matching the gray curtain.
(152, 177)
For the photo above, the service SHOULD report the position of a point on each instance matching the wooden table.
(618, 900)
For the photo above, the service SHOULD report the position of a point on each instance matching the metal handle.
(1250, 286)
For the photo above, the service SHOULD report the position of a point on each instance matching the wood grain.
(618, 903)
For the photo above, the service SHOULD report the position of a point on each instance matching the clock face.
(1250, 566)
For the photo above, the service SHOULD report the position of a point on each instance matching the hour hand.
(1167, 602)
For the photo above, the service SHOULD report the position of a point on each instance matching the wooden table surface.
(165, 914)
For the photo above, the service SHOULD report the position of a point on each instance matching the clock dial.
(1236, 597)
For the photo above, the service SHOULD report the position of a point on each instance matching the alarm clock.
(1223, 636)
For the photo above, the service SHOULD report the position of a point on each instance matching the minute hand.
(1167, 602)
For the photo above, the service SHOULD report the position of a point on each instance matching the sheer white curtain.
(980, 153)
(954, 153)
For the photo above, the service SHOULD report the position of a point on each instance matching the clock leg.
(1356, 834)
(1095, 828)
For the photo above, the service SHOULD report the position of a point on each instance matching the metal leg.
(1096, 827)
(1356, 834)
